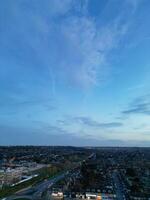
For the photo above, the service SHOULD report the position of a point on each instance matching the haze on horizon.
(75, 72)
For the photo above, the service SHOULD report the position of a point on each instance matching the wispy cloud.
(19, 136)
(140, 105)
(13, 105)
(75, 49)
(89, 46)
(136, 87)
(87, 121)
(134, 3)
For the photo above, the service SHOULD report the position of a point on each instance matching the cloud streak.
(140, 105)
(86, 121)
(55, 136)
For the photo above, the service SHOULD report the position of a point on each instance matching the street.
(39, 189)
(118, 186)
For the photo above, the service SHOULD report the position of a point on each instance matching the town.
(57, 172)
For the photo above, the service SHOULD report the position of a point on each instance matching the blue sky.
(75, 72)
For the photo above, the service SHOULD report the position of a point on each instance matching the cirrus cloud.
(87, 121)
(140, 105)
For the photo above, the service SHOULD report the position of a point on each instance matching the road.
(18, 197)
(38, 190)
(44, 185)
(119, 189)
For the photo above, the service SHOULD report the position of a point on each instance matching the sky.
(75, 72)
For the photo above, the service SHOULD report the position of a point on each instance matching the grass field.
(44, 173)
